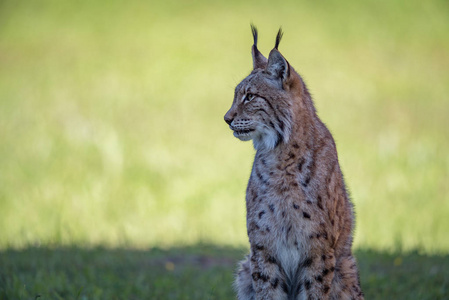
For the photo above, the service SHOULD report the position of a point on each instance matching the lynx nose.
(229, 117)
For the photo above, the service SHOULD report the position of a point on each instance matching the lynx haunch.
(299, 216)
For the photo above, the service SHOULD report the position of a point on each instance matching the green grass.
(200, 272)
(112, 131)
(181, 273)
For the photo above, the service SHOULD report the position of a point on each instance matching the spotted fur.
(299, 216)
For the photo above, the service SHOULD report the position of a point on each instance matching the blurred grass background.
(112, 131)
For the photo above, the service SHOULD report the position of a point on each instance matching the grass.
(200, 272)
(112, 132)
(184, 273)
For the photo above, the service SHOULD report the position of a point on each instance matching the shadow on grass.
(197, 272)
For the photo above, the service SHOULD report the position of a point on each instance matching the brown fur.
(299, 216)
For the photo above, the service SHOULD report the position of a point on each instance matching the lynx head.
(262, 109)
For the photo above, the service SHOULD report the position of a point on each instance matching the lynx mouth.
(243, 134)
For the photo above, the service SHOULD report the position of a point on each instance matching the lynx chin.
(299, 215)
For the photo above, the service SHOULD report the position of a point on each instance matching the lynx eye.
(249, 97)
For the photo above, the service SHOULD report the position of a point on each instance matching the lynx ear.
(259, 61)
(278, 66)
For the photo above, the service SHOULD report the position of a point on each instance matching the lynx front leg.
(268, 281)
(346, 284)
(318, 274)
(244, 282)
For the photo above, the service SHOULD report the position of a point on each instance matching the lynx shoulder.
(299, 216)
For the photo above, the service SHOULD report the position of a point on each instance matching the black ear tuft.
(278, 38)
(259, 61)
(254, 31)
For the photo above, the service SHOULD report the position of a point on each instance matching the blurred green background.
(112, 131)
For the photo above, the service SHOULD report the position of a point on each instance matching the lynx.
(299, 216)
